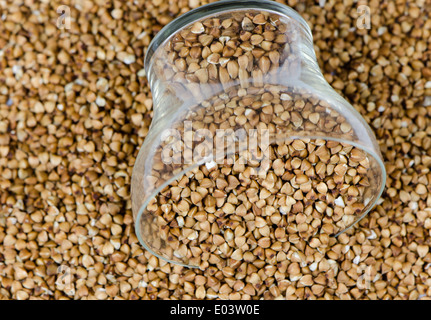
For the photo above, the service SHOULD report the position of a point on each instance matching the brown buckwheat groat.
(220, 213)
(66, 162)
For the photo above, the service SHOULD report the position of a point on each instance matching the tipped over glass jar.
(250, 150)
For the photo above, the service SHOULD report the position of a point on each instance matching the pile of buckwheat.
(75, 107)
(225, 214)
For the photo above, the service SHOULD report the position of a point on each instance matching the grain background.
(75, 107)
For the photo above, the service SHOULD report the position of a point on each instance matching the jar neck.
(299, 64)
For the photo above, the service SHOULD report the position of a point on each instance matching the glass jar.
(237, 91)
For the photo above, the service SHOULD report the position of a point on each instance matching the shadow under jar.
(250, 151)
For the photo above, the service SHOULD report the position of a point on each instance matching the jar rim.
(193, 166)
(218, 7)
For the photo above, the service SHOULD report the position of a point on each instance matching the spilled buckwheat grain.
(321, 186)
(230, 213)
(73, 114)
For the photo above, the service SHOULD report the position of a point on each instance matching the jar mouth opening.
(219, 7)
(366, 211)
